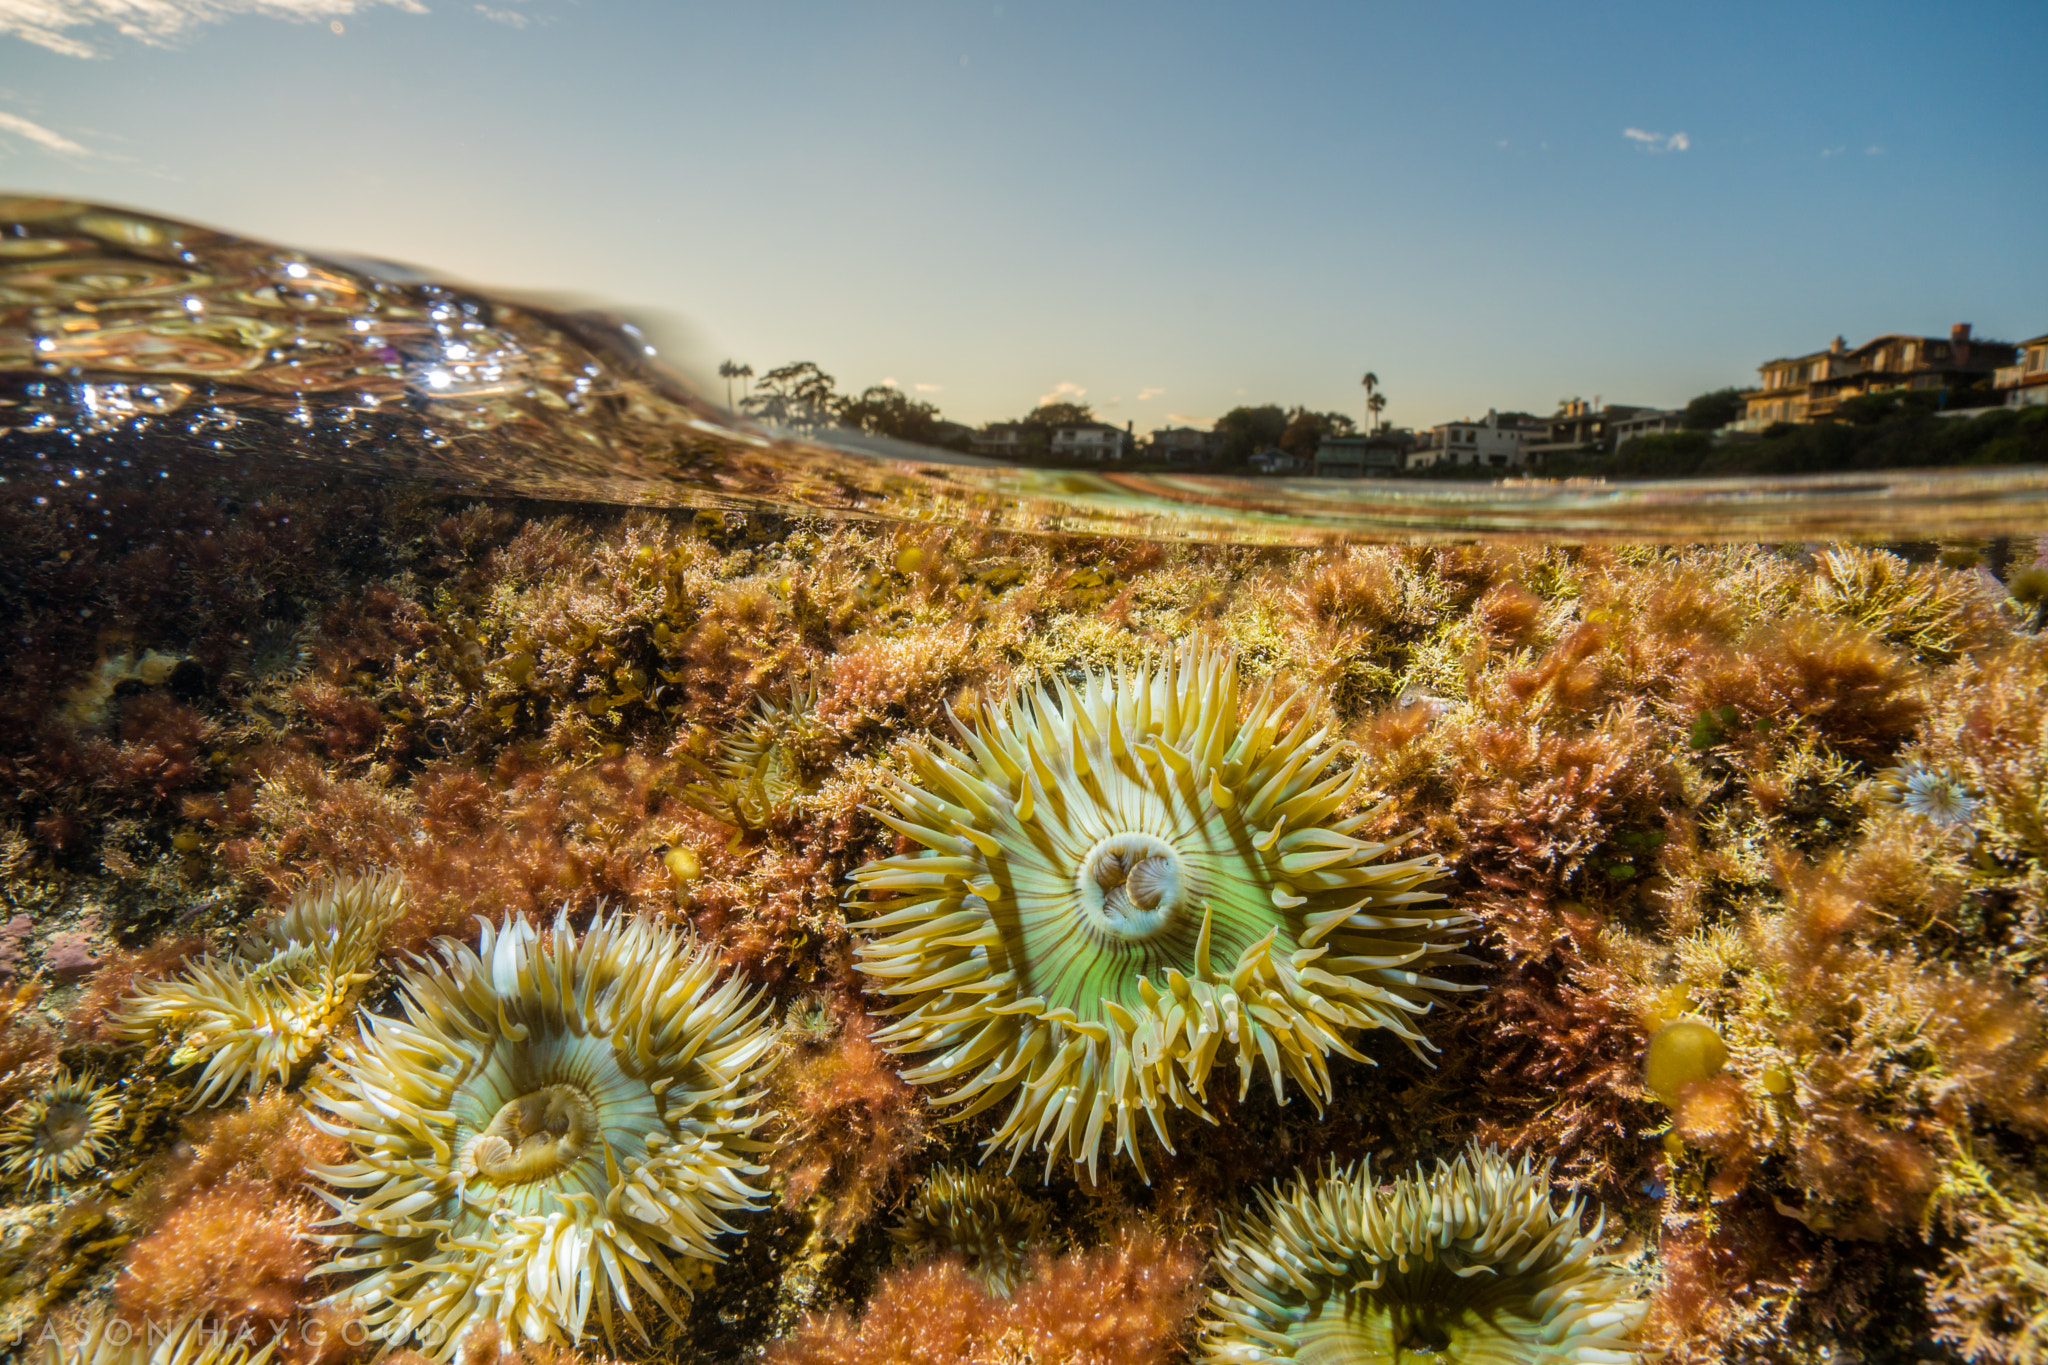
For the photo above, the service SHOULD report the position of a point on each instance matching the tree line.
(802, 396)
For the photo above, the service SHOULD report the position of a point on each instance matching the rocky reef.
(1682, 909)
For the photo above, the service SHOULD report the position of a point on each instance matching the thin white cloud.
(51, 23)
(41, 136)
(503, 16)
(889, 382)
(1832, 151)
(928, 388)
(1066, 391)
(1188, 421)
(1147, 395)
(1657, 142)
(1873, 150)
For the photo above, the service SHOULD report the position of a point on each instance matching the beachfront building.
(2024, 383)
(1809, 388)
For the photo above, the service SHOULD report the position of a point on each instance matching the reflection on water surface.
(127, 338)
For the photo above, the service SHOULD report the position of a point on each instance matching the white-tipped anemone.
(1124, 881)
(1471, 1262)
(555, 1121)
(254, 1017)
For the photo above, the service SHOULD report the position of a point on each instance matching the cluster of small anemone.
(104, 1339)
(982, 1218)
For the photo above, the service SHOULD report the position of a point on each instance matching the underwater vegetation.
(1704, 890)
(1123, 1303)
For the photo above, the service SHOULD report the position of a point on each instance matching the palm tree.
(1372, 393)
(1376, 405)
(729, 371)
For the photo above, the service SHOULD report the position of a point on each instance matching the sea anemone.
(552, 1119)
(982, 1218)
(107, 1340)
(1119, 880)
(1938, 797)
(1471, 1263)
(60, 1132)
(256, 1016)
(758, 768)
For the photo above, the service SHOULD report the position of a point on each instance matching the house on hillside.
(2025, 382)
(1809, 388)
(1649, 422)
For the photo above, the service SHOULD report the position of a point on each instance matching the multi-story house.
(1500, 441)
(1649, 422)
(999, 441)
(1097, 441)
(2025, 382)
(1579, 428)
(1185, 445)
(1809, 388)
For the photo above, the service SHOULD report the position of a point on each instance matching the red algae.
(1126, 1303)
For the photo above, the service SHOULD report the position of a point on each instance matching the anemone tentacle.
(1122, 878)
(255, 1016)
(1469, 1262)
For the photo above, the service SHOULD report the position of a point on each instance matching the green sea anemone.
(554, 1120)
(984, 1219)
(758, 768)
(1471, 1262)
(1124, 881)
(60, 1131)
(256, 1016)
(104, 1339)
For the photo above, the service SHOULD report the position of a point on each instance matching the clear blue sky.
(1176, 207)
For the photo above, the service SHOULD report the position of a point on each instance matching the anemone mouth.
(1128, 881)
(66, 1125)
(1426, 1316)
(532, 1137)
(1132, 888)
